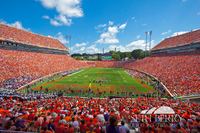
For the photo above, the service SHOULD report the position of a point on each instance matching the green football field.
(97, 82)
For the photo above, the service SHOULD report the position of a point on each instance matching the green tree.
(116, 55)
(139, 54)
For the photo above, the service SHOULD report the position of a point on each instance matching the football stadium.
(51, 85)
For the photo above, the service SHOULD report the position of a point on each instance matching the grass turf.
(116, 81)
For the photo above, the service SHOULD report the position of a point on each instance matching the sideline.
(75, 72)
(43, 78)
(155, 79)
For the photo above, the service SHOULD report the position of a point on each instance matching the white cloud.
(55, 22)
(138, 44)
(92, 49)
(61, 20)
(16, 24)
(83, 48)
(79, 48)
(109, 36)
(101, 26)
(117, 47)
(70, 8)
(123, 26)
(166, 32)
(80, 44)
(179, 33)
(133, 19)
(144, 24)
(138, 36)
(66, 9)
(110, 23)
(45, 17)
(61, 38)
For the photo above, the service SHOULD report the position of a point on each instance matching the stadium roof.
(25, 37)
(179, 40)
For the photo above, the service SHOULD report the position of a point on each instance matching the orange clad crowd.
(179, 40)
(21, 36)
(86, 115)
(15, 64)
(180, 73)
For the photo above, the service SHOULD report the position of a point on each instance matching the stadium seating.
(179, 40)
(106, 64)
(27, 66)
(69, 115)
(48, 113)
(20, 36)
(180, 73)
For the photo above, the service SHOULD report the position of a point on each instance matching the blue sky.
(97, 24)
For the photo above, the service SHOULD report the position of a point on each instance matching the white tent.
(160, 110)
(151, 110)
(148, 111)
(143, 111)
(164, 110)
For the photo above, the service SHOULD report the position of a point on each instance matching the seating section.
(180, 73)
(179, 40)
(19, 67)
(70, 115)
(106, 63)
(25, 66)
(25, 37)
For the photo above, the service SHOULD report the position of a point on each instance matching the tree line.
(116, 55)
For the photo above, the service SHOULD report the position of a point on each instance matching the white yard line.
(122, 76)
(75, 72)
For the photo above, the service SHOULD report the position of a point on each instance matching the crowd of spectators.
(147, 79)
(17, 82)
(87, 115)
(180, 73)
(21, 36)
(21, 67)
(106, 64)
(7, 93)
(179, 40)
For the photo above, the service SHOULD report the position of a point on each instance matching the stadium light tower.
(150, 34)
(68, 37)
(146, 33)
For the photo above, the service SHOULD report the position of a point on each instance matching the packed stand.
(179, 40)
(86, 115)
(17, 82)
(21, 67)
(147, 79)
(106, 64)
(180, 73)
(13, 94)
(21, 36)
